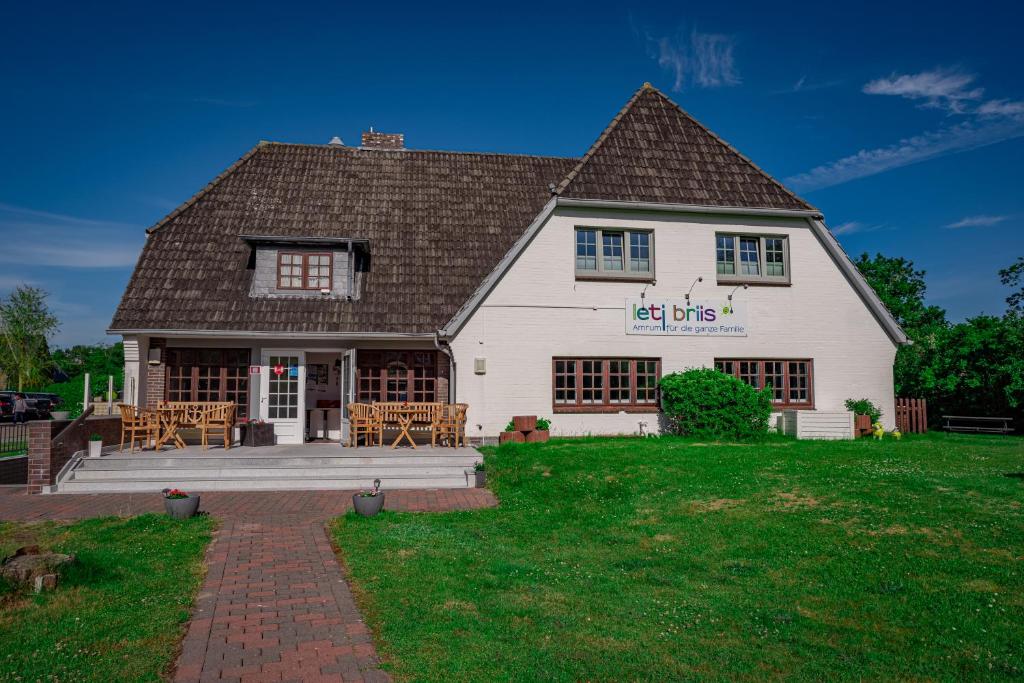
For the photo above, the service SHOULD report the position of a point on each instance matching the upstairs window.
(607, 253)
(303, 270)
(752, 258)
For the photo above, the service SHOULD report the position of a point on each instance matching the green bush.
(707, 403)
(864, 406)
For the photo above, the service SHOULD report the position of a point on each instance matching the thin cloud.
(804, 84)
(939, 88)
(42, 238)
(702, 60)
(977, 222)
(867, 162)
(1001, 108)
(851, 227)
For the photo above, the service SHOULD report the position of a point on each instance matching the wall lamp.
(735, 288)
(643, 293)
(692, 285)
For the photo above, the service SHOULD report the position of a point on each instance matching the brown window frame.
(305, 269)
(786, 403)
(606, 405)
(188, 367)
(420, 379)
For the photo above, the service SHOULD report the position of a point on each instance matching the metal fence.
(13, 439)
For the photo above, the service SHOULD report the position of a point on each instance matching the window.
(397, 376)
(602, 253)
(789, 381)
(303, 271)
(752, 258)
(208, 375)
(595, 385)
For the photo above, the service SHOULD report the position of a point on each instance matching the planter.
(368, 506)
(538, 436)
(481, 478)
(524, 423)
(182, 508)
(511, 437)
(257, 434)
(862, 425)
(95, 449)
(60, 415)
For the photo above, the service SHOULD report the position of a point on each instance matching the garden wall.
(46, 457)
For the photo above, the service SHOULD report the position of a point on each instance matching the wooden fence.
(912, 415)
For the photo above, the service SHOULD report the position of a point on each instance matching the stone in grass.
(30, 565)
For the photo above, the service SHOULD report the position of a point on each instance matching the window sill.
(604, 277)
(778, 407)
(590, 409)
(725, 280)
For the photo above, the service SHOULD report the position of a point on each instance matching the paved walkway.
(275, 605)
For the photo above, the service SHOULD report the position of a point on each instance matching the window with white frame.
(752, 258)
(614, 253)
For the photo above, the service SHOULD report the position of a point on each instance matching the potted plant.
(525, 423)
(180, 505)
(60, 415)
(511, 435)
(480, 474)
(542, 433)
(95, 445)
(865, 415)
(369, 502)
(256, 432)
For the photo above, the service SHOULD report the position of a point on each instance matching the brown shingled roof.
(437, 223)
(653, 151)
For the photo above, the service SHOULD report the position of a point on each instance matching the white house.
(309, 276)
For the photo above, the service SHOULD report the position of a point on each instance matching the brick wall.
(45, 458)
(156, 375)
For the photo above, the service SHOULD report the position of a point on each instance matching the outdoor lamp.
(744, 286)
(692, 285)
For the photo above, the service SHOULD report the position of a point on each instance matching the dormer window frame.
(305, 267)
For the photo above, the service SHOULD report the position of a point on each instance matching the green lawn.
(665, 559)
(118, 614)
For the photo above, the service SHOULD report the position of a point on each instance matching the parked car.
(38, 406)
(55, 401)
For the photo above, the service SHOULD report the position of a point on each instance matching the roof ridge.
(421, 151)
(612, 125)
(735, 151)
(206, 189)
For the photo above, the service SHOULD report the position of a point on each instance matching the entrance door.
(348, 389)
(283, 394)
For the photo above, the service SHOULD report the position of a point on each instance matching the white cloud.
(702, 60)
(851, 227)
(42, 238)
(1001, 108)
(940, 88)
(977, 221)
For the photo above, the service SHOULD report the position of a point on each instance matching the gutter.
(445, 348)
(227, 334)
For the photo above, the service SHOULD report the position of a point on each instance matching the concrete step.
(147, 461)
(347, 471)
(266, 484)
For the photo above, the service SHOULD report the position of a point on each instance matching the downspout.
(445, 348)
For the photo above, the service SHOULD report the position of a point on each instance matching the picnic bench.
(977, 425)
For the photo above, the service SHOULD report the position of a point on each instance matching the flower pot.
(862, 425)
(368, 506)
(524, 423)
(181, 508)
(538, 436)
(95, 449)
(60, 415)
(481, 478)
(257, 434)
(511, 437)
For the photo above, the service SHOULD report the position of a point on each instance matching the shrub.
(707, 403)
(864, 406)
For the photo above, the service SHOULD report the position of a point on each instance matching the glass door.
(282, 394)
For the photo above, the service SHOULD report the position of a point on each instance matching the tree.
(26, 324)
(1013, 277)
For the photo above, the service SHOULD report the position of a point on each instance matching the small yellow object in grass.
(897, 434)
(879, 430)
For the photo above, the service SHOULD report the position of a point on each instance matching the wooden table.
(404, 416)
(168, 420)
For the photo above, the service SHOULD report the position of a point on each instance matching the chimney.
(375, 140)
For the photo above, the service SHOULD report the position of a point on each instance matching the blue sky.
(906, 127)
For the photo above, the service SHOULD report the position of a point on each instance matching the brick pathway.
(275, 605)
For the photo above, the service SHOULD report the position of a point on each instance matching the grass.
(666, 559)
(118, 613)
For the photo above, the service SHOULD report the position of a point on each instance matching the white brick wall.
(539, 310)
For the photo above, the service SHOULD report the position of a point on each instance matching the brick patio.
(275, 605)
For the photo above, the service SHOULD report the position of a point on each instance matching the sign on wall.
(698, 318)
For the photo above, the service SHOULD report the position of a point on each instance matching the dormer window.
(305, 270)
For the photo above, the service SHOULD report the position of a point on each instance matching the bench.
(979, 425)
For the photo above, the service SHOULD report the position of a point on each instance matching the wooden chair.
(364, 420)
(138, 425)
(218, 418)
(449, 424)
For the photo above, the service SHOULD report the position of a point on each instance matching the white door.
(283, 394)
(348, 389)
